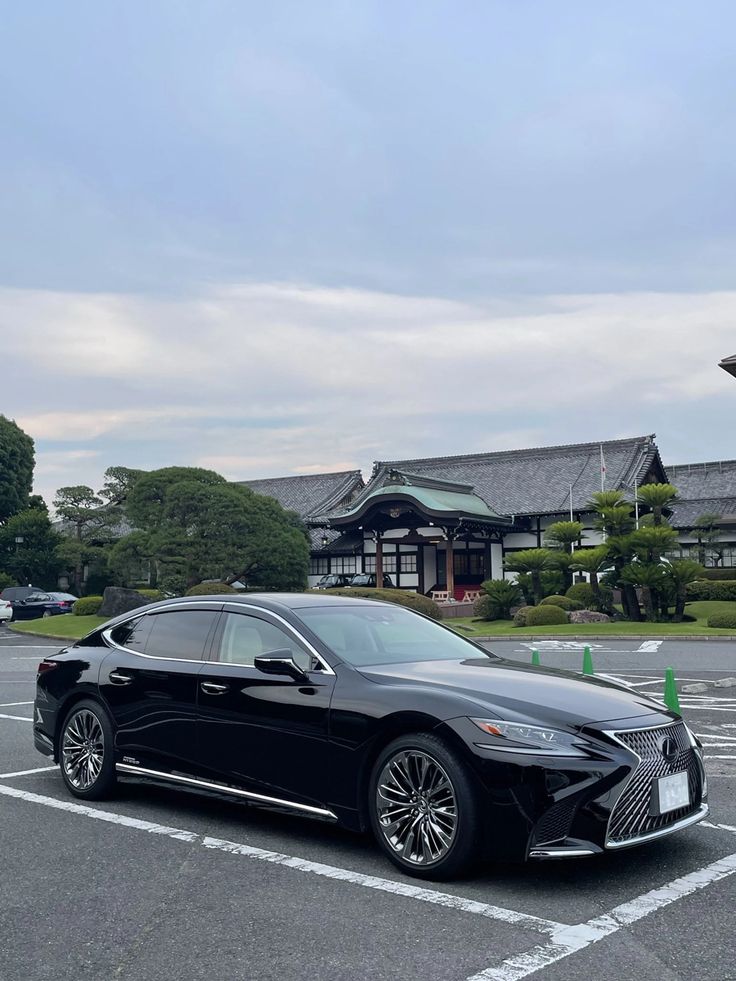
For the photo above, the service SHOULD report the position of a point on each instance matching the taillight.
(45, 666)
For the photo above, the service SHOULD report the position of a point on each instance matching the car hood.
(516, 691)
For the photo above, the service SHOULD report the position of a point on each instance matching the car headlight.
(515, 737)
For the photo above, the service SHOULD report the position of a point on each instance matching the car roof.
(270, 601)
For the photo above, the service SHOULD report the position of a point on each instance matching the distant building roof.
(537, 481)
(310, 493)
(684, 513)
(729, 365)
(698, 481)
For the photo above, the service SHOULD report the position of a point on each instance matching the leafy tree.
(201, 527)
(129, 557)
(650, 577)
(564, 535)
(594, 561)
(620, 552)
(119, 482)
(680, 572)
(533, 561)
(89, 520)
(604, 500)
(651, 542)
(657, 497)
(16, 469)
(708, 535)
(34, 559)
(503, 595)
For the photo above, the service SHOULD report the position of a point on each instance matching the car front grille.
(631, 817)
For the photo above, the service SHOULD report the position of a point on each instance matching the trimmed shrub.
(486, 608)
(582, 592)
(706, 589)
(719, 573)
(521, 615)
(6, 580)
(503, 594)
(564, 602)
(414, 601)
(154, 595)
(543, 616)
(87, 606)
(209, 589)
(727, 620)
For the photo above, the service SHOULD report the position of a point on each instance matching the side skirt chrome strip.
(560, 852)
(207, 785)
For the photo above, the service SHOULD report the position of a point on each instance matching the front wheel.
(86, 751)
(423, 807)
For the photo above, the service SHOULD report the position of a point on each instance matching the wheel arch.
(72, 699)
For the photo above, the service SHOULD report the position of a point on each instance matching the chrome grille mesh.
(631, 815)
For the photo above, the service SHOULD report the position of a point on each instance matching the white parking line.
(569, 940)
(18, 718)
(459, 903)
(25, 773)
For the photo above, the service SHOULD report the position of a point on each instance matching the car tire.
(423, 806)
(86, 751)
(46, 613)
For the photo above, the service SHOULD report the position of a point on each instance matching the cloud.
(265, 378)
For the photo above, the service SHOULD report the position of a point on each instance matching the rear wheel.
(423, 807)
(86, 751)
(46, 613)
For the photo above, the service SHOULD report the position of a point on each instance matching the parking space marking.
(18, 718)
(572, 939)
(459, 903)
(719, 827)
(25, 773)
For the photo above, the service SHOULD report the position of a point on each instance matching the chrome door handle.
(210, 688)
(119, 679)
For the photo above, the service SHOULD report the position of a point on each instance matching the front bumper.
(568, 807)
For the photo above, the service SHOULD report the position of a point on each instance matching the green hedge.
(415, 601)
(521, 615)
(582, 592)
(706, 589)
(543, 616)
(486, 608)
(723, 620)
(719, 573)
(87, 606)
(564, 602)
(210, 589)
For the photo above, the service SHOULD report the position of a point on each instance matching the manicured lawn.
(65, 627)
(470, 627)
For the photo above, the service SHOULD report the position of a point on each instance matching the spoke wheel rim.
(83, 749)
(416, 807)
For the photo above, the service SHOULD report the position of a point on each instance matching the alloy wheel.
(416, 807)
(83, 749)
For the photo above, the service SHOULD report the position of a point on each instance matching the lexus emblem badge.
(668, 748)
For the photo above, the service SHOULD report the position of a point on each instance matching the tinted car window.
(133, 634)
(180, 634)
(245, 637)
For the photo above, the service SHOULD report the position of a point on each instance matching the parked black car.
(39, 604)
(369, 579)
(334, 580)
(371, 715)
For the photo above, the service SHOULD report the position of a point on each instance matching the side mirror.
(280, 662)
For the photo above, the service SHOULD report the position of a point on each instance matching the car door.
(267, 733)
(32, 607)
(149, 681)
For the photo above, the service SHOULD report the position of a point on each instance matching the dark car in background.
(372, 716)
(369, 579)
(37, 603)
(334, 580)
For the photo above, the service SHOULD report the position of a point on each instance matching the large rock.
(116, 600)
(588, 616)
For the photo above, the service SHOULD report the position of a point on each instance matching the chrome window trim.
(107, 634)
(661, 832)
(219, 605)
(208, 785)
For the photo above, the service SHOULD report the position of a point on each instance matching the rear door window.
(181, 634)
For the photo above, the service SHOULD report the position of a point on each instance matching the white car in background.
(6, 611)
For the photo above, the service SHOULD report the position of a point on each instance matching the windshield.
(364, 635)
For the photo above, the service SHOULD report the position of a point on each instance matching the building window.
(344, 563)
(389, 563)
(408, 561)
(319, 566)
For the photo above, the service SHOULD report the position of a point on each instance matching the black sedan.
(41, 604)
(373, 716)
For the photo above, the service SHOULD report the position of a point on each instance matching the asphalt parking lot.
(163, 884)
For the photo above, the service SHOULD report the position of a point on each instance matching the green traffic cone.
(587, 661)
(535, 657)
(670, 691)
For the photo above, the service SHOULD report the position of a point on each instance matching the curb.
(721, 638)
(27, 633)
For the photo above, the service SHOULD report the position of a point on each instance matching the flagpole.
(571, 515)
(636, 503)
(603, 470)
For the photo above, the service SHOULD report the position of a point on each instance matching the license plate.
(670, 793)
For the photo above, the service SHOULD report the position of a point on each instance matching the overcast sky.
(295, 237)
